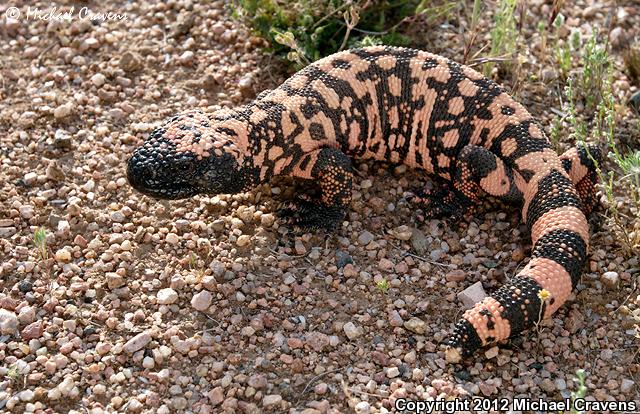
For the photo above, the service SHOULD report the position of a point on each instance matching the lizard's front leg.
(331, 169)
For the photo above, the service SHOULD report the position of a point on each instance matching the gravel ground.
(206, 305)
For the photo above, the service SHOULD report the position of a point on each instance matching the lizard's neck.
(237, 129)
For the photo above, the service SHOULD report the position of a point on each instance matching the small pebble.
(98, 79)
(137, 342)
(62, 111)
(365, 238)
(201, 300)
(492, 352)
(172, 238)
(8, 322)
(416, 325)
(166, 296)
(610, 279)
(393, 372)
(363, 407)
(243, 240)
(271, 400)
(63, 256)
(351, 330)
(472, 295)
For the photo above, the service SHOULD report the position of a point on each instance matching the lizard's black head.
(188, 156)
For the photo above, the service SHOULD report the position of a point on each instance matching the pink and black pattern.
(401, 106)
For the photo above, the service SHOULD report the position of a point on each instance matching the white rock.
(54, 394)
(416, 325)
(172, 238)
(137, 342)
(492, 352)
(166, 296)
(610, 279)
(63, 255)
(201, 300)
(66, 386)
(393, 372)
(26, 395)
(91, 43)
(148, 362)
(186, 57)
(90, 185)
(64, 227)
(351, 330)
(271, 400)
(26, 315)
(98, 79)
(134, 406)
(62, 111)
(363, 407)
(99, 389)
(26, 211)
(626, 385)
(30, 178)
(8, 322)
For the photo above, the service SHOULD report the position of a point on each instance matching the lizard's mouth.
(174, 191)
(148, 181)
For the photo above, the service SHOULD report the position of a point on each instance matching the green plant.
(382, 285)
(196, 265)
(304, 31)
(542, 29)
(597, 67)
(504, 35)
(436, 11)
(473, 30)
(16, 375)
(40, 241)
(602, 129)
(563, 53)
(193, 261)
(594, 64)
(630, 165)
(581, 392)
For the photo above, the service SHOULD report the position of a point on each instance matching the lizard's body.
(401, 106)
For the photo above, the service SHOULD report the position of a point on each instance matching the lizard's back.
(403, 106)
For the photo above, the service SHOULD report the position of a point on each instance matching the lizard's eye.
(185, 164)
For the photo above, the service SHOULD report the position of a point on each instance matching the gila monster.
(397, 105)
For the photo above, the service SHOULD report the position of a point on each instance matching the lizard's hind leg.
(331, 168)
(477, 170)
(579, 163)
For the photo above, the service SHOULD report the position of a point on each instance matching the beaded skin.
(401, 106)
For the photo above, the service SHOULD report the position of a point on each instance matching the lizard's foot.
(332, 171)
(444, 203)
(310, 215)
